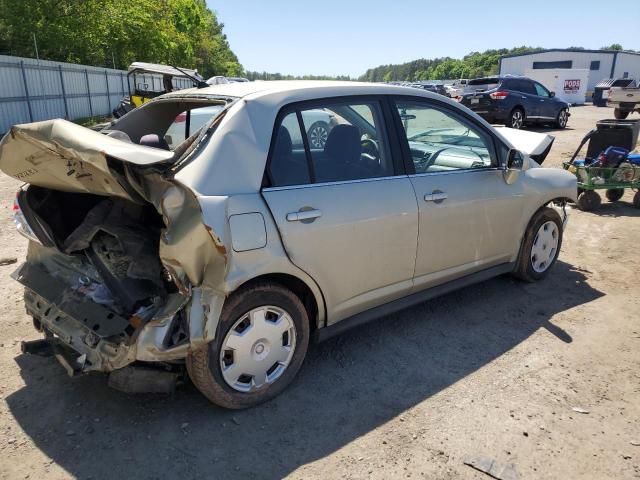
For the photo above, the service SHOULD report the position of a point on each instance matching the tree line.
(279, 76)
(114, 33)
(473, 65)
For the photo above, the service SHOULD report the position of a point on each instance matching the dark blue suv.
(514, 101)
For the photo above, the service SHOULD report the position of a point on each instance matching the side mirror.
(515, 163)
(552, 94)
(515, 160)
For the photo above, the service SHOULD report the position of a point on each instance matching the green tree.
(103, 32)
(613, 46)
(474, 64)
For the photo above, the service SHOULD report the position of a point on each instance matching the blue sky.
(348, 36)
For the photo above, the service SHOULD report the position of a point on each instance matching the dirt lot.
(493, 371)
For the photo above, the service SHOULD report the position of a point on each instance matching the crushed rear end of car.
(121, 270)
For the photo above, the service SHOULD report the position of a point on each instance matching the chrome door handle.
(436, 197)
(302, 215)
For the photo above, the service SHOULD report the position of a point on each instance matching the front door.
(345, 214)
(468, 213)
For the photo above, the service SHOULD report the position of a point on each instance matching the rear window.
(481, 84)
(484, 81)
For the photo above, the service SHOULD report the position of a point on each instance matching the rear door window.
(331, 142)
(517, 85)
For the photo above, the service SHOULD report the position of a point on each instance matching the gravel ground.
(494, 371)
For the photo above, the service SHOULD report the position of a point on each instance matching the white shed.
(602, 64)
(569, 84)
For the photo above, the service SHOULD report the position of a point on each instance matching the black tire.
(516, 118)
(589, 201)
(524, 266)
(614, 194)
(204, 365)
(636, 200)
(620, 114)
(562, 118)
(317, 134)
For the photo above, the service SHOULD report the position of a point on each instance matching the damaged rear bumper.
(86, 336)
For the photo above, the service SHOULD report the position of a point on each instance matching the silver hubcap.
(544, 247)
(516, 119)
(318, 136)
(563, 118)
(258, 348)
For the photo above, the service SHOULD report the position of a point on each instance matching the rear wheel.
(260, 344)
(562, 118)
(620, 114)
(614, 194)
(589, 201)
(541, 245)
(516, 119)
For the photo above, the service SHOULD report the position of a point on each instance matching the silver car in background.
(231, 246)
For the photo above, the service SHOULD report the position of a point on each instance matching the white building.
(600, 63)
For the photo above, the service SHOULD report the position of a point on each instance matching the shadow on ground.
(621, 208)
(348, 386)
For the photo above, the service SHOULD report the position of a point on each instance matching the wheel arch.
(312, 301)
(554, 202)
(519, 106)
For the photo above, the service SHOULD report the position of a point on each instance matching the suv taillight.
(499, 95)
(21, 222)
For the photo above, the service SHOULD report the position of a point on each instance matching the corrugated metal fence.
(32, 90)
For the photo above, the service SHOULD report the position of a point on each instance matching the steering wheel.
(370, 150)
(434, 156)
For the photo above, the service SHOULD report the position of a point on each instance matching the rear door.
(346, 212)
(468, 213)
(528, 97)
(548, 106)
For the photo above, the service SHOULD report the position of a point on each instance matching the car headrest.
(343, 144)
(284, 145)
(153, 140)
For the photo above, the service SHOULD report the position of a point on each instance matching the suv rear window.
(484, 81)
(481, 84)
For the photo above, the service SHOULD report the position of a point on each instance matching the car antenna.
(199, 83)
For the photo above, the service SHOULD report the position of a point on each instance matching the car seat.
(342, 156)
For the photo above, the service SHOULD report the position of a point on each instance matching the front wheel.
(620, 114)
(260, 344)
(540, 246)
(515, 119)
(562, 118)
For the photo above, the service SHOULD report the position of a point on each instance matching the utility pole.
(35, 44)
(113, 59)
